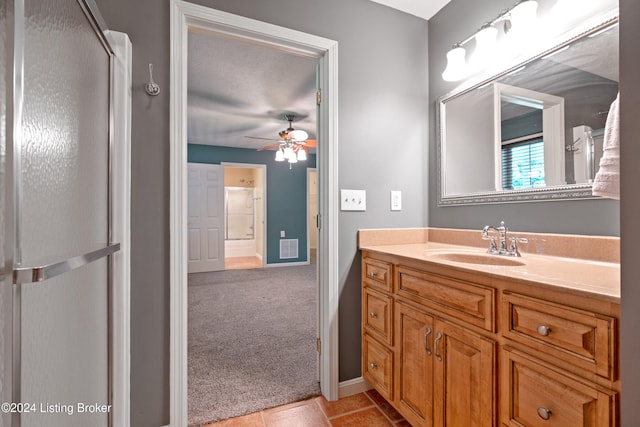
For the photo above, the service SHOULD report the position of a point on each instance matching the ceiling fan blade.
(311, 143)
(268, 147)
(266, 139)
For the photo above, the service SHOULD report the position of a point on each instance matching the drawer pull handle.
(374, 366)
(373, 314)
(544, 413)
(435, 346)
(427, 332)
(373, 274)
(544, 330)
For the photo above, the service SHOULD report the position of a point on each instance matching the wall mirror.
(533, 132)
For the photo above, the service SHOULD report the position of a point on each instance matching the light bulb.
(302, 154)
(293, 159)
(279, 155)
(288, 152)
(456, 65)
(298, 135)
(485, 46)
(523, 17)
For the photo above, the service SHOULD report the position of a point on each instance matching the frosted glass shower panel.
(64, 153)
(240, 213)
(62, 211)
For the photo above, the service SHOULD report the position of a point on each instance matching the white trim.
(121, 228)
(286, 264)
(183, 16)
(353, 386)
(552, 129)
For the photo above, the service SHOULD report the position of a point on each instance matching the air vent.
(288, 248)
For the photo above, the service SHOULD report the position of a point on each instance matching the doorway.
(244, 216)
(186, 15)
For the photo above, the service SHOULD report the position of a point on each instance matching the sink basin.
(480, 259)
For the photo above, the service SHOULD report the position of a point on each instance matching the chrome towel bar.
(44, 272)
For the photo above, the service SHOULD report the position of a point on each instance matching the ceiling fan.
(293, 144)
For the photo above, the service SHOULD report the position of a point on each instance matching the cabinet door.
(414, 368)
(464, 377)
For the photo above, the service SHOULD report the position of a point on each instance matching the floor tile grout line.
(384, 414)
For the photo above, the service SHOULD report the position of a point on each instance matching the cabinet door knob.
(427, 332)
(435, 346)
(373, 314)
(374, 366)
(544, 413)
(544, 330)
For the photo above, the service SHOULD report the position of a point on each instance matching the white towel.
(607, 180)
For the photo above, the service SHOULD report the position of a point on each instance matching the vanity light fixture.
(486, 40)
(517, 21)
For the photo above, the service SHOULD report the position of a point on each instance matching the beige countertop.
(590, 267)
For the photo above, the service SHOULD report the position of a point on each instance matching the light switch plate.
(353, 200)
(396, 200)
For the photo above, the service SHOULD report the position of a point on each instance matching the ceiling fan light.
(293, 159)
(298, 135)
(302, 154)
(279, 155)
(288, 153)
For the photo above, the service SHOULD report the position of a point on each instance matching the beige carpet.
(251, 341)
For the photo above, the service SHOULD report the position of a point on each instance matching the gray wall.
(382, 147)
(453, 23)
(630, 209)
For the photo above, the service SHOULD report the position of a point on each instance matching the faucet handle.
(513, 246)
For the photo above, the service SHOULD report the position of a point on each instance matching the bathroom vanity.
(453, 336)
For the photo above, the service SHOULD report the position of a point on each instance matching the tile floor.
(242, 263)
(367, 409)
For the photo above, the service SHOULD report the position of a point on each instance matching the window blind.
(523, 164)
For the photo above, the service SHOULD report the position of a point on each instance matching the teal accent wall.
(286, 193)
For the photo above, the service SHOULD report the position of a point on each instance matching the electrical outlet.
(396, 200)
(353, 200)
(282, 233)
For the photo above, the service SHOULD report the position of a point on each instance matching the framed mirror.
(533, 132)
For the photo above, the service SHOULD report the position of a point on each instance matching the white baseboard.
(288, 264)
(353, 386)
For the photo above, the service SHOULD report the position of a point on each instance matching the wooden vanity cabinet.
(438, 349)
(444, 374)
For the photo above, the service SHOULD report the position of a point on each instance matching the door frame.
(263, 172)
(183, 16)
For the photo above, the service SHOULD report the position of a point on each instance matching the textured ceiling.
(238, 89)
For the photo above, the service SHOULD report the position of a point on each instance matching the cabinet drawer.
(377, 273)
(579, 337)
(377, 366)
(377, 314)
(463, 300)
(540, 397)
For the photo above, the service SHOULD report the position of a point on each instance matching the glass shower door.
(61, 213)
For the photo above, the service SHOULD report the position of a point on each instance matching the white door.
(205, 224)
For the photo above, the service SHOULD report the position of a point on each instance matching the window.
(523, 164)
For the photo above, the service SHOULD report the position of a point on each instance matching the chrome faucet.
(501, 247)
